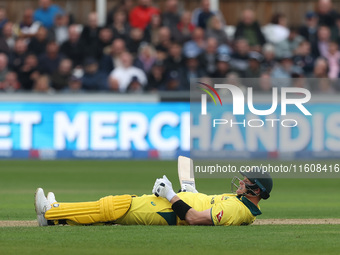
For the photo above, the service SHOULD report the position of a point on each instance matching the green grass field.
(89, 180)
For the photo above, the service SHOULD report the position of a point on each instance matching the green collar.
(252, 208)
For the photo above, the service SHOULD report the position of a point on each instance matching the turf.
(171, 240)
(90, 180)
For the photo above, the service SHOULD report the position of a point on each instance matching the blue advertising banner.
(94, 126)
(158, 130)
(223, 134)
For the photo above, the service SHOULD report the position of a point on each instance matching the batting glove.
(188, 188)
(163, 188)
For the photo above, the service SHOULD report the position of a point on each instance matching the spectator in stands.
(321, 46)
(38, 43)
(209, 56)
(59, 31)
(112, 59)
(185, 28)
(123, 5)
(60, 77)
(10, 83)
(282, 72)
(299, 80)
(269, 57)
(170, 16)
(146, 57)
(135, 40)
(164, 40)
(310, 28)
(93, 78)
(191, 70)
(90, 33)
(321, 68)
(333, 58)
(29, 72)
(289, 45)
(135, 86)
(205, 5)
(265, 82)
(156, 77)
(3, 66)
(103, 43)
(17, 57)
(222, 66)
(294, 39)
(215, 29)
(175, 60)
(46, 13)
(249, 29)
(28, 27)
(197, 44)
(121, 77)
(3, 17)
(42, 84)
(49, 61)
(240, 57)
(152, 30)
(327, 15)
(322, 83)
(140, 16)
(336, 30)
(7, 39)
(120, 27)
(254, 67)
(73, 48)
(204, 15)
(304, 59)
(74, 84)
(277, 32)
(173, 82)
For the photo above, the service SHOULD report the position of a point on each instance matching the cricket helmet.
(260, 180)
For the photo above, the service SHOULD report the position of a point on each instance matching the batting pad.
(106, 209)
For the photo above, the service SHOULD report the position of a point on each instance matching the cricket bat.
(186, 171)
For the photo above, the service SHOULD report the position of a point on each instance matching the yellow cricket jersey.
(226, 209)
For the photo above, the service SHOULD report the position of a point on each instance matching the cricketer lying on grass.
(164, 207)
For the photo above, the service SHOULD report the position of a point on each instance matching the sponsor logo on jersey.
(153, 203)
(219, 216)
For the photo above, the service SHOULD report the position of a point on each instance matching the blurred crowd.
(141, 48)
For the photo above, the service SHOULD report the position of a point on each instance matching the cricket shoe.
(42, 205)
(51, 198)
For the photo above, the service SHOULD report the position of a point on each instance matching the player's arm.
(192, 216)
(163, 188)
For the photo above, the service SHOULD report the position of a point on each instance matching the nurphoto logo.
(239, 104)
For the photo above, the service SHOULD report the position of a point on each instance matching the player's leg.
(149, 210)
(104, 210)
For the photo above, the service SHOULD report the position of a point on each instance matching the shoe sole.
(49, 200)
(35, 200)
(40, 217)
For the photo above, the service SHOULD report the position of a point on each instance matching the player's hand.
(188, 188)
(163, 188)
